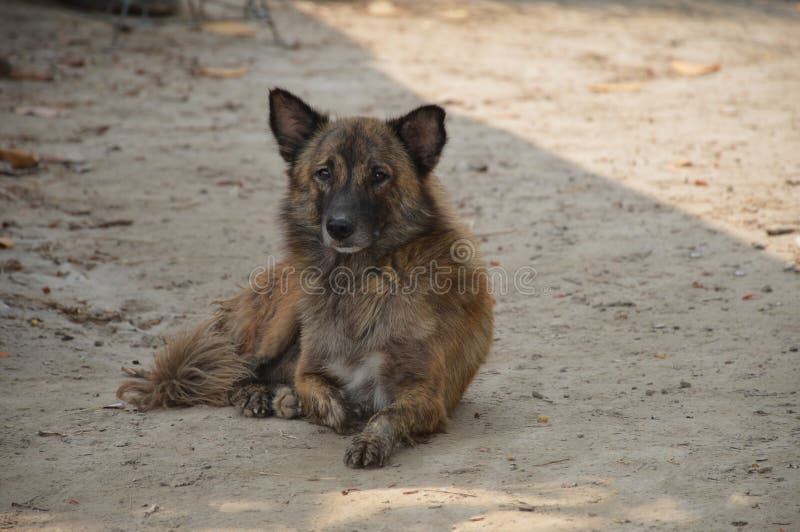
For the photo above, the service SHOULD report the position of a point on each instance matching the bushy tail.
(196, 367)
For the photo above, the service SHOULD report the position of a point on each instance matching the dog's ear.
(293, 122)
(423, 134)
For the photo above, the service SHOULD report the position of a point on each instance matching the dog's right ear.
(293, 122)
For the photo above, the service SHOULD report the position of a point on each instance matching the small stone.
(685, 384)
(766, 289)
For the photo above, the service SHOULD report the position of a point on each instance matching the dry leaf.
(6, 242)
(3, 354)
(71, 60)
(381, 8)
(688, 69)
(661, 356)
(21, 75)
(477, 518)
(229, 27)
(604, 88)
(18, 158)
(542, 419)
(220, 72)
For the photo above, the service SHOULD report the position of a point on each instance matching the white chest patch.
(362, 383)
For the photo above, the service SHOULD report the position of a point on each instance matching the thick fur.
(392, 352)
(197, 367)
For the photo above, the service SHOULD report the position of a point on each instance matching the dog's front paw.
(285, 403)
(328, 409)
(255, 401)
(368, 450)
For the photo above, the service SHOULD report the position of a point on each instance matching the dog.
(381, 313)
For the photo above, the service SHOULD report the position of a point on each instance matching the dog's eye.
(323, 174)
(379, 176)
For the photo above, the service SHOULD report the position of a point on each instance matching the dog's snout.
(340, 228)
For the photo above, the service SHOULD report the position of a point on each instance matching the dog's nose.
(339, 228)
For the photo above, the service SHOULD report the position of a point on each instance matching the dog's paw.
(328, 409)
(368, 450)
(285, 403)
(255, 401)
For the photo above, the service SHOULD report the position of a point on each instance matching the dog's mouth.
(347, 246)
(348, 249)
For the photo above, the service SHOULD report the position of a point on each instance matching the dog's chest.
(361, 381)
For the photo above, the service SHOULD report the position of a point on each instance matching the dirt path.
(661, 341)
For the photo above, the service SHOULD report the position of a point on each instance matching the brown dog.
(380, 313)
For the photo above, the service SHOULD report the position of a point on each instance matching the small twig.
(289, 436)
(311, 478)
(495, 233)
(551, 462)
(452, 493)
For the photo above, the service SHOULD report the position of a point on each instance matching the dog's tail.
(196, 367)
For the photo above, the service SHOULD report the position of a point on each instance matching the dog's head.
(356, 183)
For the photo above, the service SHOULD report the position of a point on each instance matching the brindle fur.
(393, 361)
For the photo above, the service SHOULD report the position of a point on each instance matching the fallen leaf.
(219, 72)
(72, 501)
(18, 158)
(6, 242)
(700, 183)
(603, 88)
(777, 231)
(230, 183)
(689, 69)
(542, 419)
(230, 28)
(661, 356)
(747, 296)
(46, 289)
(3, 354)
(147, 324)
(40, 111)
(22, 75)
(683, 163)
(477, 518)
(72, 60)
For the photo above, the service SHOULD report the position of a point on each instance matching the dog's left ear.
(293, 122)
(423, 134)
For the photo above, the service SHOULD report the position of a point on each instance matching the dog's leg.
(265, 400)
(417, 411)
(322, 403)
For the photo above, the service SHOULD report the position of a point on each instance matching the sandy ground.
(662, 340)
